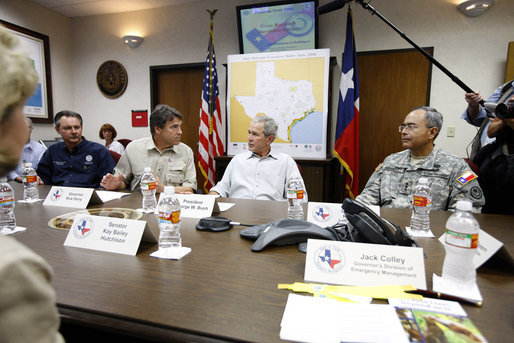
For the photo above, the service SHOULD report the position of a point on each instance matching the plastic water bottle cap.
(464, 205)
(169, 190)
(423, 180)
(148, 169)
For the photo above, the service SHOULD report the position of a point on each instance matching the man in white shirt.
(261, 172)
(32, 152)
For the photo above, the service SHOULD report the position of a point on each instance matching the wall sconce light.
(474, 8)
(132, 41)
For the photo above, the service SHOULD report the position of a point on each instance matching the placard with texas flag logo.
(121, 236)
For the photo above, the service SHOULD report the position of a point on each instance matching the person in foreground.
(27, 300)
(260, 173)
(171, 161)
(450, 178)
(32, 152)
(75, 162)
(476, 115)
(108, 132)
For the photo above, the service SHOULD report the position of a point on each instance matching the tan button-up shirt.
(174, 166)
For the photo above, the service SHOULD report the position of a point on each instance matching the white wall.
(474, 49)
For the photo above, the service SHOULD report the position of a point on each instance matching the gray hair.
(18, 78)
(66, 113)
(29, 121)
(161, 115)
(433, 118)
(270, 126)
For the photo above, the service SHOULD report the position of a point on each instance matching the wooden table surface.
(221, 291)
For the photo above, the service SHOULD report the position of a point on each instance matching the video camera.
(501, 111)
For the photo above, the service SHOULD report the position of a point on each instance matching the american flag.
(346, 147)
(211, 144)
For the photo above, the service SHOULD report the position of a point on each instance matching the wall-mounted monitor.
(278, 26)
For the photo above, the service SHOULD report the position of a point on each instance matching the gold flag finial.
(212, 13)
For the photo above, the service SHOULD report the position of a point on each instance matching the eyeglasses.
(409, 127)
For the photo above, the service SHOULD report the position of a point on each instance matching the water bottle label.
(173, 217)
(295, 194)
(29, 179)
(148, 186)
(462, 240)
(422, 201)
(7, 200)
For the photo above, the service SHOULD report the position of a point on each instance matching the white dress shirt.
(250, 177)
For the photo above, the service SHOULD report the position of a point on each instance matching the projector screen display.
(278, 26)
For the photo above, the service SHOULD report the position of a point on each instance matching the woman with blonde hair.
(27, 300)
(108, 132)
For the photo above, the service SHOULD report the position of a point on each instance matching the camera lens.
(504, 111)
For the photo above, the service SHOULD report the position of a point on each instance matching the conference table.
(221, 291)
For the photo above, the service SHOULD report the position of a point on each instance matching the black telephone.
(371, 228)
(364, 226)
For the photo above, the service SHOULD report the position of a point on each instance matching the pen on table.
(438, 295)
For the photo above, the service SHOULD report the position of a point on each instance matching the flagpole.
(211, 102)
(454, 78)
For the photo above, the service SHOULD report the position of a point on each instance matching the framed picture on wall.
(36, 46)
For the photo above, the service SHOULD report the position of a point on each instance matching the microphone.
(332, 6)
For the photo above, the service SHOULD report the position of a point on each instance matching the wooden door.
(391, 83)
(181, 87)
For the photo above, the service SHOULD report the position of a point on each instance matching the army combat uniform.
(449, 177)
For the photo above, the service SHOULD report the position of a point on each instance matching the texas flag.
(466, 177)
(346, 147)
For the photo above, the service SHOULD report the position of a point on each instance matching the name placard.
(116, 235)
(329, 214)
(196, 205)
(487, 247)
(361, 264)
(74, 197)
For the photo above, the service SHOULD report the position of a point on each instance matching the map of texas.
(285, 101)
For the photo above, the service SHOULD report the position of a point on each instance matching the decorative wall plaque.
(111, 79)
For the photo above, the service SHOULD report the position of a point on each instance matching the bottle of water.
(422, 202)
(7, 219)
(295, 199)
(169, 220)
(148, 189)
(461, 242)
(30, 192)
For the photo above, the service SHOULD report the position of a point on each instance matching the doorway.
(391, 83)
(180, 86)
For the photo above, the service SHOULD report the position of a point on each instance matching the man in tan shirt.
(171, 161)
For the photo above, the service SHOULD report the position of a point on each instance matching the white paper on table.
(225, 205)
(109, 195)
(417, 233)
(171, 253)
(449, 287)
(310, 319)
(16, 229)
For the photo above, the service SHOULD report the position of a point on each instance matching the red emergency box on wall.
(139, 118)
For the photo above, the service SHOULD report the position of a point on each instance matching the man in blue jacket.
(75, 162)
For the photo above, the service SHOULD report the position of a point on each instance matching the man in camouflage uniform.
(449, 177)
